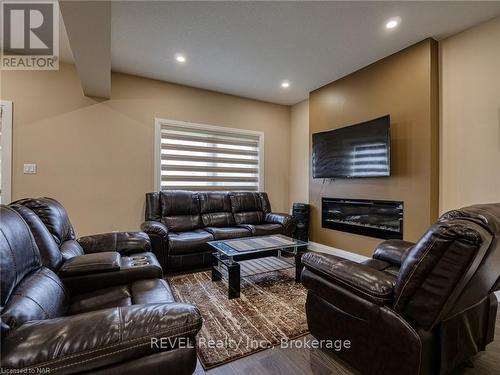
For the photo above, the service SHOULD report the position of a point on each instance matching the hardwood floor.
(278, 361)
(488, 362)
(285, 361)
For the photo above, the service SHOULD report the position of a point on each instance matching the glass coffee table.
(240, 257)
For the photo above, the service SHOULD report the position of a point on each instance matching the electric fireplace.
(374, 218)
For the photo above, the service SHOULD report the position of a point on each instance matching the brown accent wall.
(404, 85)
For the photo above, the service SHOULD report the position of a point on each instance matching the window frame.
(6, 158)
(192, 125)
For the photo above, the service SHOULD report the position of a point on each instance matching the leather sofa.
(86, 262)
(414, 308)
(45, 328)
(181, 223)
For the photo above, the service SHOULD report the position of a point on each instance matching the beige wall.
(404, 85)
(299, 153)
(96, 157)
(470, 117)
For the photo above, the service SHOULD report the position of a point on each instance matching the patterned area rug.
(270, 309)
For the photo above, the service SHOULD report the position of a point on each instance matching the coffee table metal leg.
(233, 271)
(298, 266)
(216, 274)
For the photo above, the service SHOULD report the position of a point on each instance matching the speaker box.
(301, 213)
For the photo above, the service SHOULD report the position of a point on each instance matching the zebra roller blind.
(197, 158)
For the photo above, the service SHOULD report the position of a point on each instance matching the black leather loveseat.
(180, 223)
(415, 308)
(87, 262)
(46, 328)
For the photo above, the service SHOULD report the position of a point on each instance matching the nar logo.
(30, 35)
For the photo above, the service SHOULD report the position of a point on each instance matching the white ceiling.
(248, 48)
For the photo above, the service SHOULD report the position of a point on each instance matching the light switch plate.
(29, 168)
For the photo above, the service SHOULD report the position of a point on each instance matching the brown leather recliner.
(87, 262)
(421, 308)
(46, 328)
(181, 223)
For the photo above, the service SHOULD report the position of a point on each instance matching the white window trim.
(184, 124)
(6, 151)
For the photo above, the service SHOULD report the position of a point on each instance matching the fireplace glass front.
(374, 218)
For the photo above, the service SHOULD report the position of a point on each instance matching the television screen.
(361, 150)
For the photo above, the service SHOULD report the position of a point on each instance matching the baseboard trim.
(338, 252)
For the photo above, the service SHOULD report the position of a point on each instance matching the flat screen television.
(361, 150)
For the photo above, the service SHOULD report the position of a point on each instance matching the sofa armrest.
(122, 242)
(158, 234)
(361, 280)
(287, 221)
(392, 251)
(156, 228)
(87, 341)
(132, 268)
(91, 263)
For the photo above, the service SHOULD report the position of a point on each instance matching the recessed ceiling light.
(392, 23)
(285, 84)
(180, 58)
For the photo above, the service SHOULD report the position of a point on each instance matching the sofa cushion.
(247, 207)
(53, 215)
(263, 229)
(153, 207)
(49, 249)
(381, 265)
(393, 251)
(229, 232)
(97, 339)
(151, 291)
(138, 292)
(70, 249)
(123, 242)
(376, 264)
(218, 219)
(115, 296)
(189, 242)
(266, 205)
(180, 210)
(393, 270)
(40, 295)
(243, 201)
(437, 266)
(252, 217)
(19, 254)
(215, 208)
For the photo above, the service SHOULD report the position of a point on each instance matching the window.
(5, 150)
(204, 157)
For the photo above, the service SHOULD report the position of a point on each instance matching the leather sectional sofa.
(415, 308)
(107, 322)
(181, 223)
